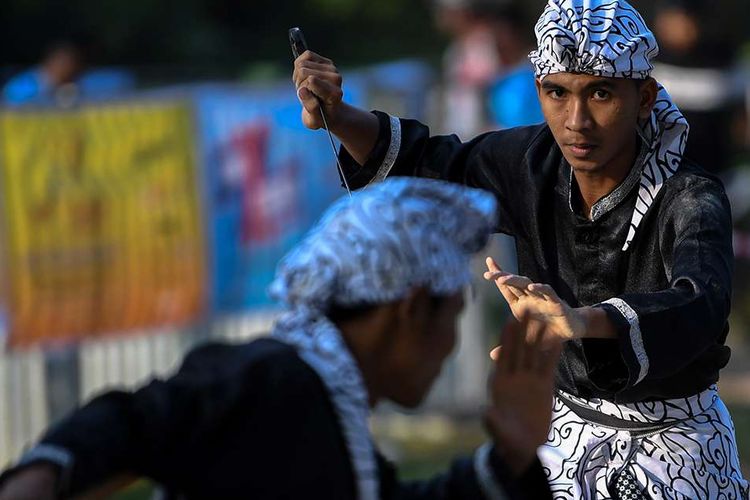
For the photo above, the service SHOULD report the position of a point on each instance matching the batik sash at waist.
(641, 415)
(592, 416)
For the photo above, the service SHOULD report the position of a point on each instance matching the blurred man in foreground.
(371, 300)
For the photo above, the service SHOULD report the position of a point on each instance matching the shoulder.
(525, 155)
(22, 87)
(693, 199)
(693, 187)
(265, 359)
(520, 139)
(531, 145)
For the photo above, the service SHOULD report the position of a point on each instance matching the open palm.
(537, 301)
(521, 389)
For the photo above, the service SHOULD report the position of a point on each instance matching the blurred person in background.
(696, 65)
(371, 299)
(470, 63)
(512, 96)
(54, 81)
(65, 77)
(624, 244)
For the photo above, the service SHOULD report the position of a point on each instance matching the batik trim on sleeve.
(636, 339)
(487, 482)
(390, 156)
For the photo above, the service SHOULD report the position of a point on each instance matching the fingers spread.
(520, 282)
(545, 291)
(491, 264)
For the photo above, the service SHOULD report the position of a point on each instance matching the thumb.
(308, 99)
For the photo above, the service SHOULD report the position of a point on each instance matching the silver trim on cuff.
(486, 479)
(48, 453)
(54, 454)
(393, 149)
(636, 338)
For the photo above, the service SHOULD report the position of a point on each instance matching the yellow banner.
(102, 220)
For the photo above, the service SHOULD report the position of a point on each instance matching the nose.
(578, 117)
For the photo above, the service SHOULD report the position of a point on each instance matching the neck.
(362, 337)
(596, 184)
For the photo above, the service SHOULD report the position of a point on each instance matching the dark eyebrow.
(601, 83)
(546, 85)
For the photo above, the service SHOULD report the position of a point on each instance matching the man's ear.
(647, 92)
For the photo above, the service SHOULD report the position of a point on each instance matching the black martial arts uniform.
(246, 421)
(675, 278)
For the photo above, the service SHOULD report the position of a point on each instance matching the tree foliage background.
(219, 37)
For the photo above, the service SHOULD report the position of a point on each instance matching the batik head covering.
(609, 38)
(374, 249)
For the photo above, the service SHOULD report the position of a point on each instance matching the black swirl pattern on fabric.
(694, 458)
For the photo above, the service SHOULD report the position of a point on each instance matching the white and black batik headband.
(609, 38)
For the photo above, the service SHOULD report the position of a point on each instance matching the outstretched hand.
(540, 303)
(521, 389)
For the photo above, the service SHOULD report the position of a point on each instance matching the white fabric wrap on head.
(609, 38)
(373, 249)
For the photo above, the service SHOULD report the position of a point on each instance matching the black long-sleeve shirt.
(668, 295)
(242, 421)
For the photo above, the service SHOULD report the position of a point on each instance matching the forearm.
(357, 130)
(597, 324)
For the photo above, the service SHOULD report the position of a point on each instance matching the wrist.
(340, 118)
(596, 323)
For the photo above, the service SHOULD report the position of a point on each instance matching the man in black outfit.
(371, 298)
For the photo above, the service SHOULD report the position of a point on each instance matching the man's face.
(422, 342)
(593, 119)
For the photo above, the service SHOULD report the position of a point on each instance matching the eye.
(556, 93)
(601, 95)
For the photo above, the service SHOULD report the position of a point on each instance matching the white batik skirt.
(670, 449)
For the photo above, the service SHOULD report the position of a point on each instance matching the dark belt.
(596, 417)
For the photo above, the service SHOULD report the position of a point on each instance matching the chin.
(585, 166)
(411, 397)
(410, 401)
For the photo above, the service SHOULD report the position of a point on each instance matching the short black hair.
(338, 313)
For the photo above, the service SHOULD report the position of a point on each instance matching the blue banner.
(267, 179)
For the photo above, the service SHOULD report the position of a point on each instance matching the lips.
(581, 149)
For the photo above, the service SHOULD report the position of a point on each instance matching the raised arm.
(319, 82)
(376, 145)
(517, 419)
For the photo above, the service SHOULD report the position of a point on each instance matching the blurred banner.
(267, 179)
(102, 220)
(163, 210)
